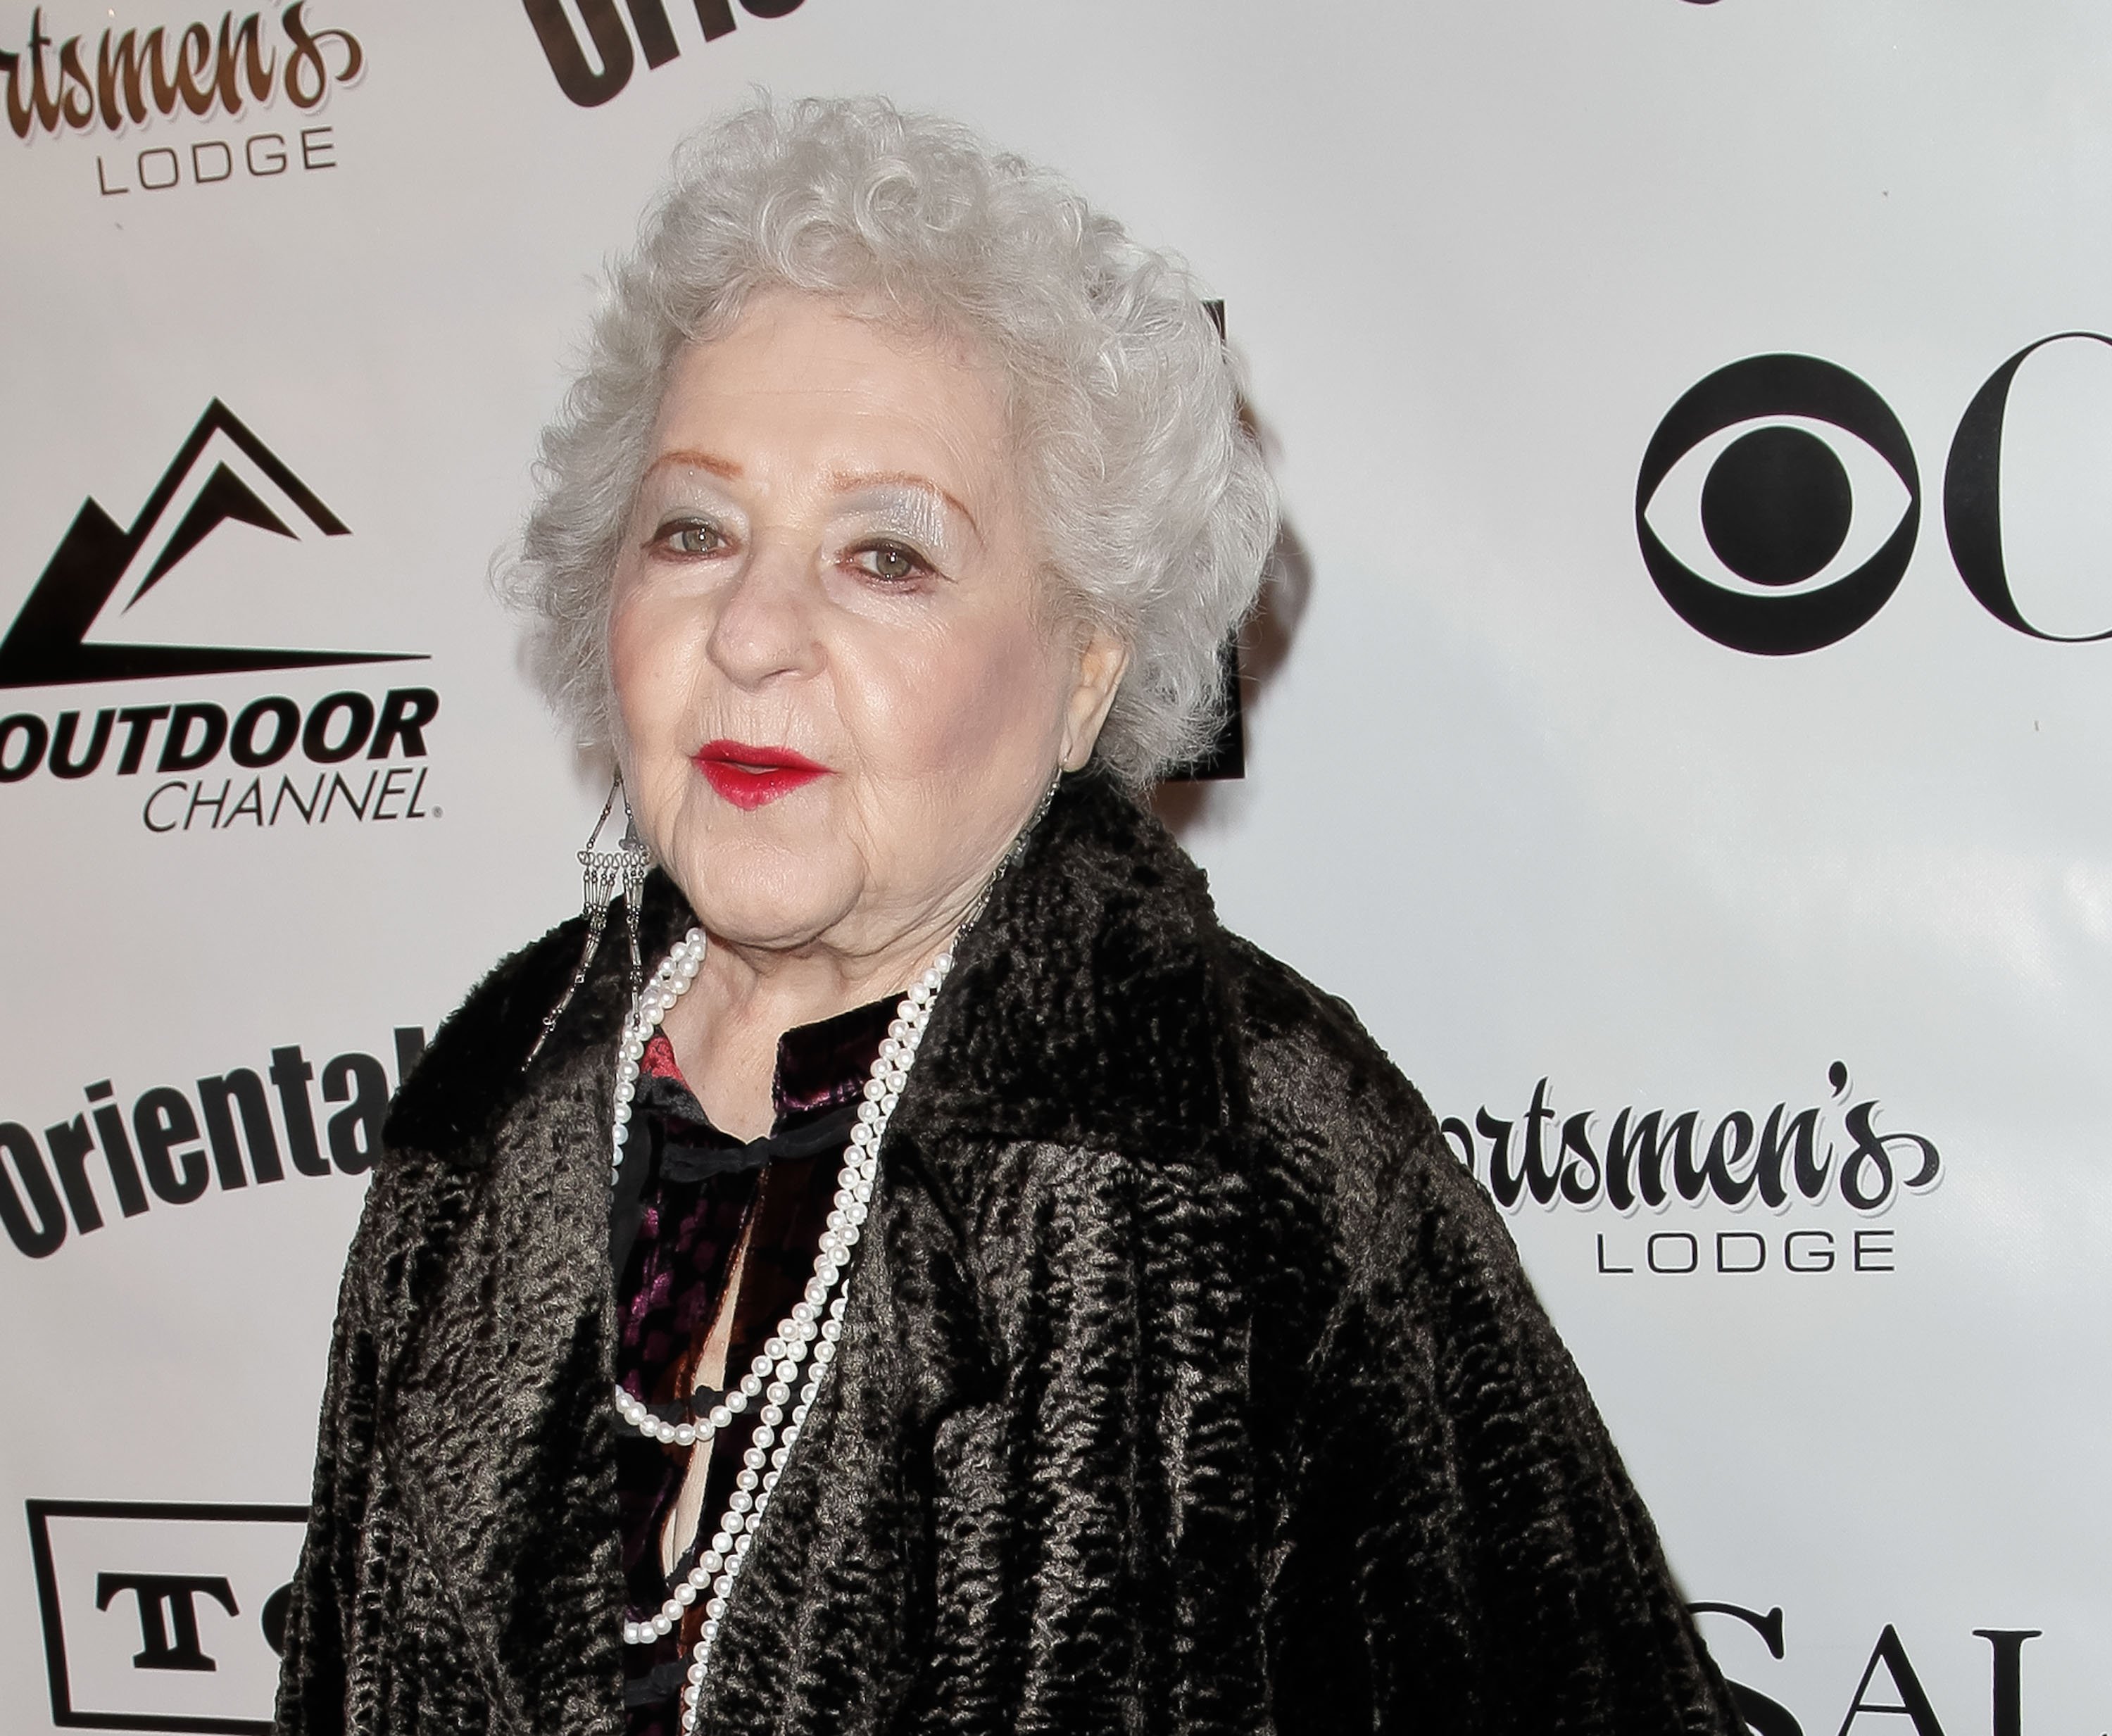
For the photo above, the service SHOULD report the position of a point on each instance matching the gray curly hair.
(1154, 512)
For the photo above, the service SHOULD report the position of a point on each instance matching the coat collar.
(1083, 1006)
(476, 1070)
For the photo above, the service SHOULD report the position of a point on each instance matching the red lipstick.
(748, 777)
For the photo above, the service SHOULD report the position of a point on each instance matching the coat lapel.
(1085, 1008)
(501, 1438)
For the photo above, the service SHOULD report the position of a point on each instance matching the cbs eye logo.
(1808, 498)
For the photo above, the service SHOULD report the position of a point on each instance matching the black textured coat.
(1188, 1384)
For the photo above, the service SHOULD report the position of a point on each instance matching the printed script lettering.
(167, 69)
(1651, 1157)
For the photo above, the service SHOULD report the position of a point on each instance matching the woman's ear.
(1101, 662)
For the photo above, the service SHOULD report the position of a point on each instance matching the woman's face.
(842, 690)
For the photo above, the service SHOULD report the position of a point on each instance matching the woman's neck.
(724, 1031)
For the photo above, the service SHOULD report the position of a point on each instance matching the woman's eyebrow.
(860, 481)
(688, 459)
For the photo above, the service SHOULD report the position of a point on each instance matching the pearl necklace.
(809, 1334)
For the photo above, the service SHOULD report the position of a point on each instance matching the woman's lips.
(748, 777)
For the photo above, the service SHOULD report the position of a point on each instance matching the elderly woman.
(962, 1289)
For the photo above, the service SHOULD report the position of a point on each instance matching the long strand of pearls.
(808, 1335)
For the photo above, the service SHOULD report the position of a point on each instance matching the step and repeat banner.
(1681, 722)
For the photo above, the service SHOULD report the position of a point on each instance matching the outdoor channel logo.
(222, 482)
(58, 83)
(1655, 1160)
(163, 1615)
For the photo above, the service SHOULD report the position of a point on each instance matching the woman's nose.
(765, 624)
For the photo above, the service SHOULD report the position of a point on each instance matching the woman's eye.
(691, 536)
(891, 562)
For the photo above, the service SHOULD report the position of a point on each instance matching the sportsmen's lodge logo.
(223, 481)
(243, 97)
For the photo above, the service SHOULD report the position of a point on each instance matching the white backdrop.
(1499, 793)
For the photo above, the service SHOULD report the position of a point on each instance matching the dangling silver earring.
(1017, 848)
(610, 874)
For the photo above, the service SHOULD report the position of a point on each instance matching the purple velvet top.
(686, 1194)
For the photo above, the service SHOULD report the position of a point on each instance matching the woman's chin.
(766, 918)
(767, 865)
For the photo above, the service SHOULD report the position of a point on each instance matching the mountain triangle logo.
(48, 644)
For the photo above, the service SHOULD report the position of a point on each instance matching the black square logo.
(163, 1616)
